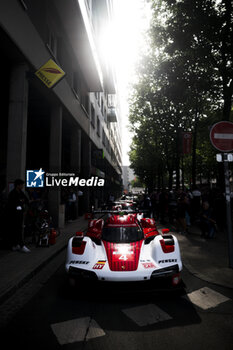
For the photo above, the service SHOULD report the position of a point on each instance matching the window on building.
(107, 145)
(98, 127)
(92, 116)
(103, 137)
(52, 42)
(77, 84)
(85, 101)
(105, 114)
(102, 106)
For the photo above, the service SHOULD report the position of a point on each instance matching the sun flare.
(123, 41)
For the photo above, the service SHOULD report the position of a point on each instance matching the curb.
(203, 277)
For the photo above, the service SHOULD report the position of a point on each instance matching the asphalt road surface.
(48, 314)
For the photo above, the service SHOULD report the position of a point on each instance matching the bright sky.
(131, 20)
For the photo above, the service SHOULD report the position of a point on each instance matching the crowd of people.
(183, 208)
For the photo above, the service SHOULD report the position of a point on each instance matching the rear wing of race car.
(119, 212)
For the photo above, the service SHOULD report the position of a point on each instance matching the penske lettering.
(167, 261)
(79, 262)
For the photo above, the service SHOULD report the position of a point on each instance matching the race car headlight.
(123, 249)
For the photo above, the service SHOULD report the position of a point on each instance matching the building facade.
(73, 126)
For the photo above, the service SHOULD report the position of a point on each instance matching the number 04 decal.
(123, 257)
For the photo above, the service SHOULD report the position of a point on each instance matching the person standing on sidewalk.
(15, 210)
(207, 221)
(182, 208)
(72, 206)
(195, 203)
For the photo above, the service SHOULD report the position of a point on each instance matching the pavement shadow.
(108, 302)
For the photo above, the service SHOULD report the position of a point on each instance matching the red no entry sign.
(221, 136)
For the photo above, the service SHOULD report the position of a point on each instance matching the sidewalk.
(206, 258)
(17, 268)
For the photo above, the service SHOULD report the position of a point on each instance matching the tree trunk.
(226, 48)
(159, 180)
(227, 95)
(170, 178)
(178, 151)
(194, 158)
(182, 171)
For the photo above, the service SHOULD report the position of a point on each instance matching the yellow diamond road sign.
(50, 73)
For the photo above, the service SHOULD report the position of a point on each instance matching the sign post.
(228, 209)
(187, 142)
(221, 136)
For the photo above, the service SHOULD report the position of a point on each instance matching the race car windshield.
(122, 234)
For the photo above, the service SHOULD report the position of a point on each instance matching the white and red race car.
(124, 248)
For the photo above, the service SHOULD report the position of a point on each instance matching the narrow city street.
(116, 175)
(48, 313)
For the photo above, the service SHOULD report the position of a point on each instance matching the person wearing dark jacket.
(147, 205)
(15, 210)
(207, 221)
(182, 207)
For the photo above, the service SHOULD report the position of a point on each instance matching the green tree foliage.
(137, 183)
(185, 82)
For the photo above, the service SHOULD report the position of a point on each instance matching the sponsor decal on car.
(99, 265)
(145, 260)
(167, 261)
(148, 265)
(79, 262)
